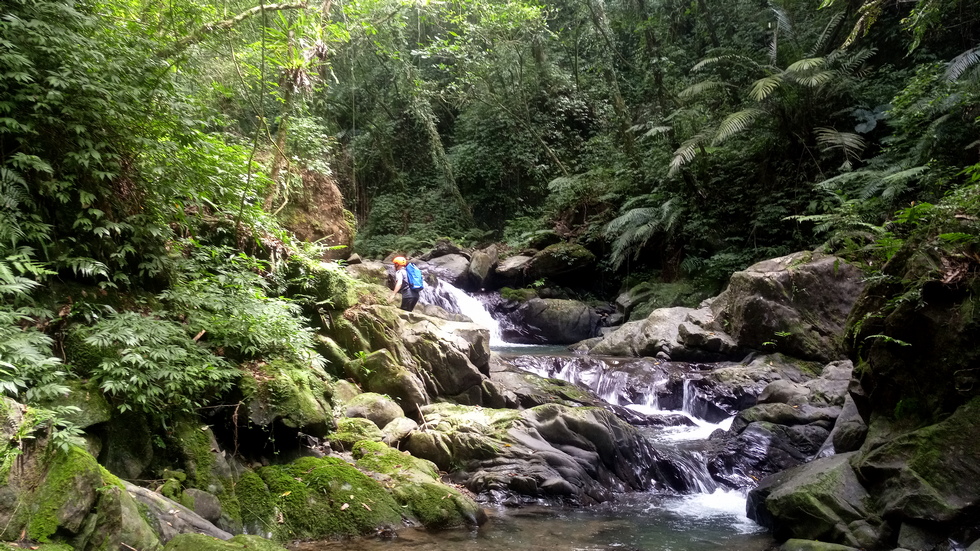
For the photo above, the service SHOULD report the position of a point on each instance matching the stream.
(706, 520)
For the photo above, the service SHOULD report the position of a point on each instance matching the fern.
(962, 63)
(764, 87)
(687, 151)
(850, 144)
(153, 366)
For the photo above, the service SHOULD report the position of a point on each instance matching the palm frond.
(962, 63)
(816, 80)
(707, 62)
(807, 64)
(699, 88)
(736, 123)
(850, 64)
(762, 88)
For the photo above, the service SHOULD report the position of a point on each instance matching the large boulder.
(511, 270)
(551, 321)
(929, 476)
(822, 500)
(286, 392)
(377, 408)
(451, 268)
(481, 266)
(560, 259)
(796, 304)
(415, 358)
(679, 334)
(551, 452)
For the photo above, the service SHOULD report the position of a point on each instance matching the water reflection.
(641, 522)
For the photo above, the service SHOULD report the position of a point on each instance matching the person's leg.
(412, 302)
(409, 300)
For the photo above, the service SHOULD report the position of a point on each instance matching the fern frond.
(907, 174)
(852, 63)
(699, 88)
(762, 88)
(962, 63)
(707, 62)
(807, 64)
(828, 31)
(687, 151)
(736, 123)
(783, 22)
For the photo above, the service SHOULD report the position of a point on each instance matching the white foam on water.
(726, 504)
(701, 429)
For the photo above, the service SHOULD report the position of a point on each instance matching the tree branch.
(209, 28)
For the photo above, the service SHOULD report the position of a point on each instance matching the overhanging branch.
(210, 28)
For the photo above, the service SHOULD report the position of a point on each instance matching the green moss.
(194, 441)
(324, 498)
(294, 393)
(200, 542)
(66, 472)
(520, 295)
(417, 487)
(351, 430)
(256, 503)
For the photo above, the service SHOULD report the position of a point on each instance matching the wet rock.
(678, 334)
(822, 500)
(511, 270)
(811, 545)
(929, 475)
(783, 391)
(201, 542)
(796, 304)
(848, 433)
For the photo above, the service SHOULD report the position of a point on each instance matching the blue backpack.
(414, 276)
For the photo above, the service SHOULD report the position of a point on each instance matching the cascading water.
(455, 300)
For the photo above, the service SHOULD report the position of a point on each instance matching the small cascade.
(457, 301)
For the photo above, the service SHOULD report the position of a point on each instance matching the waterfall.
(457, 301)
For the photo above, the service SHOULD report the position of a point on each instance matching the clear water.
(634, 522)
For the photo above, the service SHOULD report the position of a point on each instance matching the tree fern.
(762, 88)
(633, 229)
(687, 151)
(851, 145)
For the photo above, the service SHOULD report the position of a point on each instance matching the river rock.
(481, 266)
(511, 270)
(443, 247)
(377, 408)
(415, 358)
(201, 542)
(796, 304)
(930, 475)
(678, 334)
(451, 268)
(550, 452)
(370, 271)
(396, 430)
(822, 500)
(287, 392)
(169, 518)
(552, 321)
(811, 545)
(848, 433)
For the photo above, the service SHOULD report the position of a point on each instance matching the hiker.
(408, 281)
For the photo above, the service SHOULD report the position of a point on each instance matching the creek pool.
(634, 522)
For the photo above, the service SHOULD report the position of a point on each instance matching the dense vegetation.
(147, 150)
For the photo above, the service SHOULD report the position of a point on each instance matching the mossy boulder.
(822, 500)
(380, 372)
(63, 495)
(93, 408)
(351, 430)
(551, 321)
(640, 300)
(929, 476)
(416, 486)
(317, 498)
(560, 259)
(416, 358)
(374, 407)
(796, 304)
(127, 449)
(294, 394)
(327, 283)
(200, 542)
(211, 473)
(913, 334)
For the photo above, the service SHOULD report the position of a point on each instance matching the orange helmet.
(399, 261)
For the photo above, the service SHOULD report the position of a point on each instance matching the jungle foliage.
(146, 149)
